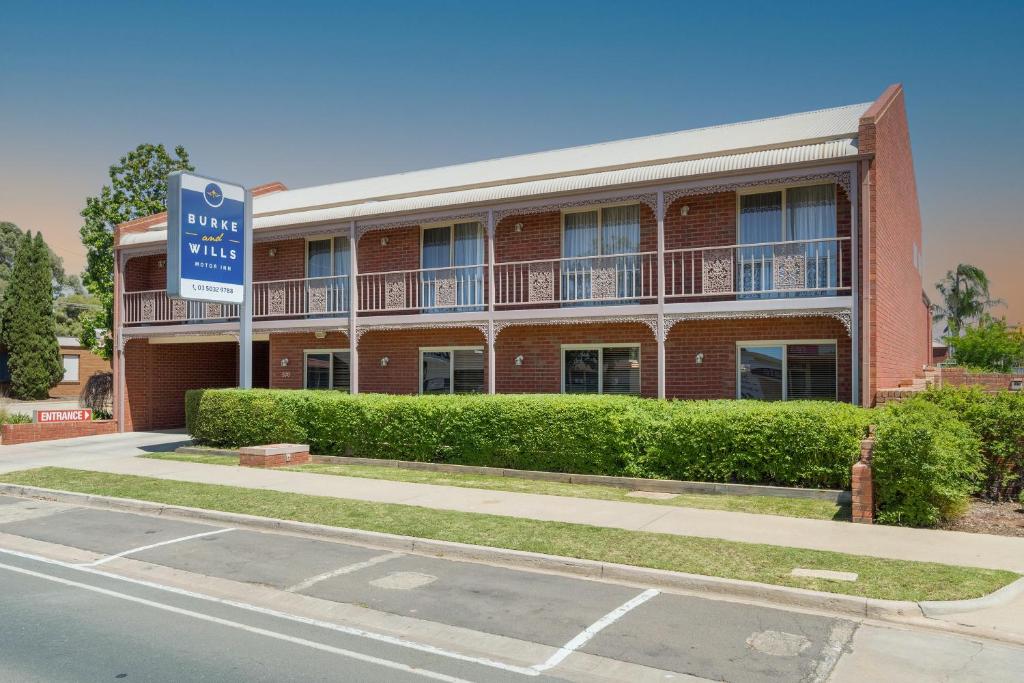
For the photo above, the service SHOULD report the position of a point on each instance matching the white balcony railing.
(765, 270)
(428, 290)
(579, 280)
(314, 296)
(819, 267)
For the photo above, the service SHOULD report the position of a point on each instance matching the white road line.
(595, 628)
(348, 569)
(152, 545)
(348, 630)
(242, 627)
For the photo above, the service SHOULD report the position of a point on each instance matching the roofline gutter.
(533, 199)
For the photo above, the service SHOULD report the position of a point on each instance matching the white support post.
(661, 294)
(245, 314)
(491, 368)
(854, 289)
(353, 309)
(119, 382)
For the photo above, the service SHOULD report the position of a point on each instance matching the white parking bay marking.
(595, 628)
(426, 673)
(348, 569)
(108, 558)
(349, 630)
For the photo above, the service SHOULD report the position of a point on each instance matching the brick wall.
(898, 318)
(143, 273)
(11, 434)
(541, 348)
(288, 261)
(158, 375)
(990, 382)
(292, 346)
(89, 364)
(716, 339)
(401, 376)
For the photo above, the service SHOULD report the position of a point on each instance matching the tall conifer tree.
(29, 327)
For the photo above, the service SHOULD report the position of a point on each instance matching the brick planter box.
(11, 434)
(274, 455)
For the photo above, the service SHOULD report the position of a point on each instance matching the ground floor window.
(70, 362)
(607, 369)
(327, 369)
(452, 370)
(780, 371)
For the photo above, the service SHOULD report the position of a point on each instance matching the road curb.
(995, 599)
(847, 605)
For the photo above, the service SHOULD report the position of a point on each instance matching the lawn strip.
(879, 578)
(765, 505)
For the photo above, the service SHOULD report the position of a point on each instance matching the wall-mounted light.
(384, 241)
(272, 252)
(384, 361)
(519, 360)
(284, 362)
(320, 334)
(685, 211)
(161, 263)
(699, 359)
(519, 227)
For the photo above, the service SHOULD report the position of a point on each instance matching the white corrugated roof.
(810, 136)
(821, 125)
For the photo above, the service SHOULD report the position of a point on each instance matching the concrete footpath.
(947, 547)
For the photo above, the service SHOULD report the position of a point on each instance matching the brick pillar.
(863, 492)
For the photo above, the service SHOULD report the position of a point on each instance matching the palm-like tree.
(965, 297)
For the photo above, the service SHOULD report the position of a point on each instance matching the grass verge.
(878, 578)
(762, 505)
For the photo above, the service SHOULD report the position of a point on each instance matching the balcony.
(770, 270)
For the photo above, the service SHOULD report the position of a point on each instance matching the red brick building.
(776, 259)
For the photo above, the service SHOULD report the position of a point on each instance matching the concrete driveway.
(81, 451)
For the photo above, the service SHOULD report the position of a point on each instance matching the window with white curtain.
(778, 371)
(327, 369)
(611, 369)
(70, 362)
(327, 270)
(457, 252)
(605, 238)
(452, 370)
(790, 214)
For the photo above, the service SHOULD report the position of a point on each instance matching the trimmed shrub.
(998, 420)
(926, 464)
(808, 443)
(794, 444)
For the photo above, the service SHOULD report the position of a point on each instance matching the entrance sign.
(71, 415)
(209, 250)
(206, 239)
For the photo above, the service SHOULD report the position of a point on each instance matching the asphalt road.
(92, 594)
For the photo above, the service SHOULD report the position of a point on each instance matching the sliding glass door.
(327, 270)
(453, 272)
(603, 242)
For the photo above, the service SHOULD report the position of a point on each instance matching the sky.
(309, 93)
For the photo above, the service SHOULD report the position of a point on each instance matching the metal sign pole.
(245, 312)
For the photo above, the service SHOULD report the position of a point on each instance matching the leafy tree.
(10, 238)
(138, 187)
(29, 330)
(989, 345)
(965, 297)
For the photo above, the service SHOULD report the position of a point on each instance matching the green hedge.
(998, 420)
(793, 444)
(926, 464)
